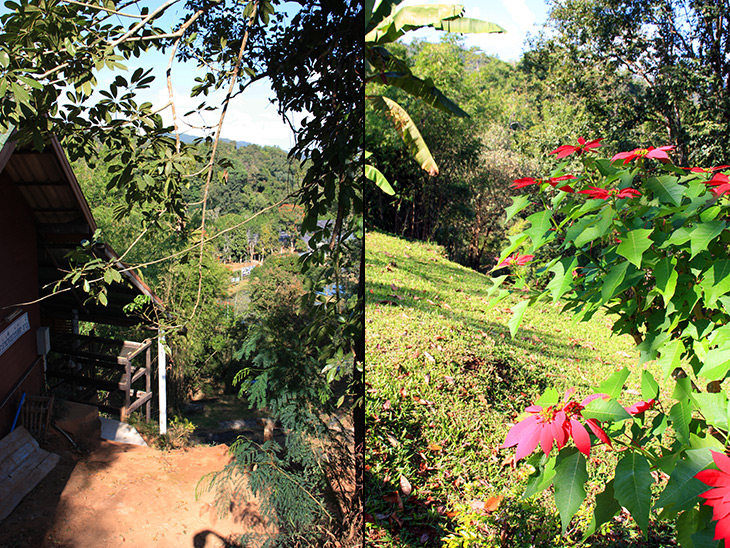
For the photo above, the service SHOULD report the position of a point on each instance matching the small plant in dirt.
(647, 241)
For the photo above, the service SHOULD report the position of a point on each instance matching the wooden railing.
(106, 373)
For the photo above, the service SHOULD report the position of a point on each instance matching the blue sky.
(250, 117)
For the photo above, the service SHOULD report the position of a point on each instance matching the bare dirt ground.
(122, 495)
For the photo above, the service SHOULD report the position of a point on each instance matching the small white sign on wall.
(11, 334)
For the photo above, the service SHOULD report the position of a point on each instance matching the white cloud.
(250, 116)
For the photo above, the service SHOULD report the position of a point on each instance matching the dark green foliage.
(678, 92)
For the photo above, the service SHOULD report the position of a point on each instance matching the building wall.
(18, 284)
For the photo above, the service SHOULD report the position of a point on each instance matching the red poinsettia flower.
(720, 184)
(583, 146)
(525, 181)
(628, 193)
(719, 496)
(705, 169)
(651, 152)
(552, 181)
(553, 426)
(596, 193)
(516, 259)
(640, 407)
(603, 194)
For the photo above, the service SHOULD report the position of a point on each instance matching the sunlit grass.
(444, 382)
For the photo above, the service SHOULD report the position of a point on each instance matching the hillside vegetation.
(445, 383)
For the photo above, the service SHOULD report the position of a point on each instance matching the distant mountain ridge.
(188, 139)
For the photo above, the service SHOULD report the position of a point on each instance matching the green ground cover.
(445, 382)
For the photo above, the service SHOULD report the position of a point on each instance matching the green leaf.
(634, 244)
(713, 407)
(667, 189)
(702, 234)
(612, 281)
(670, 356)
(605, 411)
(518, 311)
(518, 204)
(466, 25)
(570, 477)
(606, 507)
(666, 278)
(516, 240)
(681, 414)
(379, 179)
(563, 279)
(548, 398)
(649, 387)
(682, 488)
(540, 224)
(541, 480)
(716, 363)
(614, 384)
(632, 488)
(408, 131)
(716, 282)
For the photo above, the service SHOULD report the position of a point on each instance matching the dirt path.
(123, 495)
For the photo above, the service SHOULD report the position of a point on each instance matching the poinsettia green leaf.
(540, 224)
(649, 387)
(515, 241)
(694, 529)
(713, 407)
(702, 234)
(666, 278)
(548, 398)
(605, 411)
(716, 282)
(541, 479)
(518, 204)
(518, 312)
(667, 189)
(634, 244)
(681, 414)
(716, 363)
(678, 238)
(632, 488)
(597, 228)
(614, 384)
(569, 481)
(682, 488)
(606, 507)
(613, 280)
(670, 356)
(563, 279)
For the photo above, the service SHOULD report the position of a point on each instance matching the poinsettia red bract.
(650, 152)
(553, 426)
(718, 497)
(583, 146)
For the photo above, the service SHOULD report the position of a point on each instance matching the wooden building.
(44, 216)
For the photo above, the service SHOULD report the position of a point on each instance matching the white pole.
(162, 374)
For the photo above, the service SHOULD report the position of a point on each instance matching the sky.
(518, 17)
(251, 117)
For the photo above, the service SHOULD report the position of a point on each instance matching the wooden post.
(148, 382)
(127, 382)
(162, 378)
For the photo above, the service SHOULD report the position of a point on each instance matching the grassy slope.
(444, 380)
